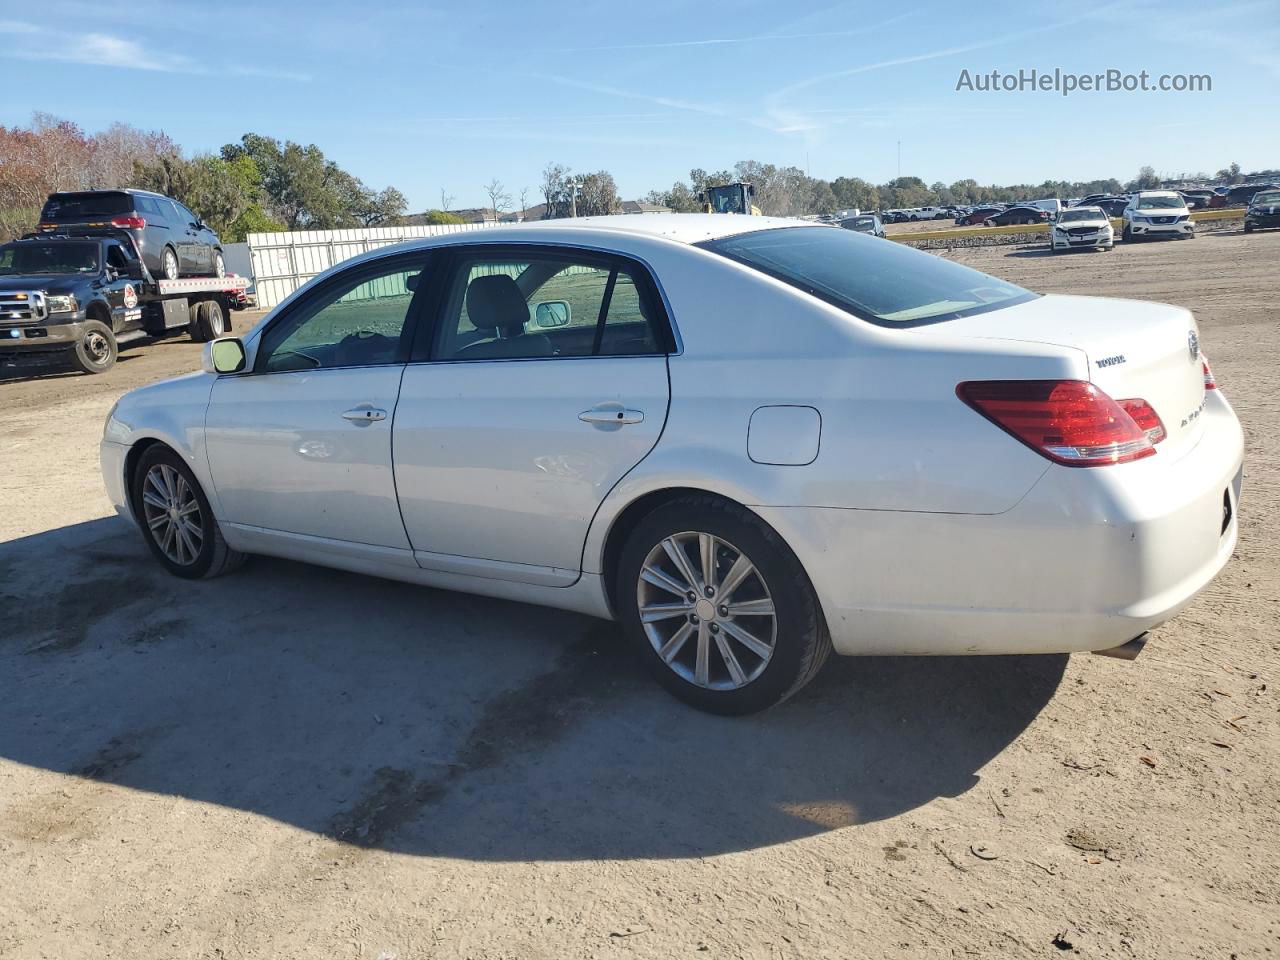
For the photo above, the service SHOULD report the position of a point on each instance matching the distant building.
(641, 206)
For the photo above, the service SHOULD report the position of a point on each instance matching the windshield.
(1160, 203)
(860, 223)
(886, 283)
(1080, 213)
(71, 206)
(1267, 197)
(27, 258)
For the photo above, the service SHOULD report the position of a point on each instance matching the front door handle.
(611, 415)
(365, 415)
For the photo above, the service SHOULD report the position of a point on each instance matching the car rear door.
(516, 420)
(300, 446)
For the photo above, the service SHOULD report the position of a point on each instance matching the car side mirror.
(224, 355)
(552, 313)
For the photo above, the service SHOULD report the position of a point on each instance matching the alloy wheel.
(707, 611)
(172, 514)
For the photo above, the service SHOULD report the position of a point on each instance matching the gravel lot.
(293, 762)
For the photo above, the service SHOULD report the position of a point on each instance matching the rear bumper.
(1089, 559)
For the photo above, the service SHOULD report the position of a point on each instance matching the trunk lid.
(1135, 350)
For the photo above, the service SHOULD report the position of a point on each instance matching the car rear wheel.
(169, 264)
(176, 519)
(95, 351)
(718, 607)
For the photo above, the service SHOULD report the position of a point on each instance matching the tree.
(555, 182)
(597, 194)
(499, 199)
(446, 200)
(524, 201)
(1231, 173)
(1146, 179)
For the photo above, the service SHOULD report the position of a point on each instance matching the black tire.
(1126, 234)
(208, 321)
(1248, 228)
(801, 643)
(211, 556)
(219, 264)
(988, 223)
(95, 351)
(169, 266)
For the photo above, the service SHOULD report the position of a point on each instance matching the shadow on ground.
(433, 723)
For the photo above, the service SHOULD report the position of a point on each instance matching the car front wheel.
(219, 265)
(176, 518)
(719, 608)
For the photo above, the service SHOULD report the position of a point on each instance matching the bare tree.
(499, 199)
(524, 201)
(446, 201)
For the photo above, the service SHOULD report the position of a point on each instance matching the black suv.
(172, 240)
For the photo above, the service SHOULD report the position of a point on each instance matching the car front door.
(199, 255)
(300, 445)
(545, 382)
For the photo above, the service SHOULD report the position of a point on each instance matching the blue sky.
(427, 96)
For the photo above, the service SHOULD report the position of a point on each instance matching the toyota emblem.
(1193, 346)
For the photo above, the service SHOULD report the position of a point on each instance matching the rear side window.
(546, 305)
(71, 206)
(888, 284)
(146, 206)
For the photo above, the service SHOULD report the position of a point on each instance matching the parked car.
(1157, 213)
(1013, 215)
(864, 223)
(1090, 200)
(1052, 206)
(1112, 206)
(979, 215)
(1264, 211)
(556, 416)
(1197, 199)
(172, 241)
(1082, 228)
(1244, 193)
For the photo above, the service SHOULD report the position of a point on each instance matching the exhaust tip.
(1126, 651)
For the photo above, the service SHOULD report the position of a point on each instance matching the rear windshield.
(886, 283)
(28, 258)
(68, 206)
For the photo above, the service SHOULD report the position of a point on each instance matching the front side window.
(886, 283)
(539, 306)
(359, 320)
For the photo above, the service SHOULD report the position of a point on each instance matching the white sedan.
(748, 440)
(1082, 228)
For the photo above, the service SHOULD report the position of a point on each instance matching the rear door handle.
(610, 415)
(365, 415)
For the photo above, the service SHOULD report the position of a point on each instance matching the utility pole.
(899, 159)
(573, 200)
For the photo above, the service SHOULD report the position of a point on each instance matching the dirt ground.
(293, 762)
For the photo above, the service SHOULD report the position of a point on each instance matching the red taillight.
(1210, 381)
(1145, 417)
(129, 223)
(1069, 421)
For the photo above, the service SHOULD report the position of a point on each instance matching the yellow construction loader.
(730, 198)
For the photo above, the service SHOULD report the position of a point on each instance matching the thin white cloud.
(96, 49)
(730, 41)
(782, 118)
(673, 103)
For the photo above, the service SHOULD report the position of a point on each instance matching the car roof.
(681, 227)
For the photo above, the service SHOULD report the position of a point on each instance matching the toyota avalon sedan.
(750, 441)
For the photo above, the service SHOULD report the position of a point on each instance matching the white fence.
(282, 262)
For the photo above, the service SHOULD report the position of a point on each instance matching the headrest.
(496, 302)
